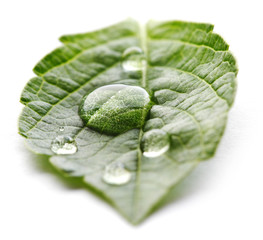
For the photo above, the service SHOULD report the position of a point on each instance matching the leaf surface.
(190, 75)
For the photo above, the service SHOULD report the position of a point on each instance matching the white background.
(221, 199)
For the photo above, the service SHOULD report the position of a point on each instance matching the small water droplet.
(116, 174)
(154, 143)
(64, 145)
(114, 109)
(61, 129)
(133, 59)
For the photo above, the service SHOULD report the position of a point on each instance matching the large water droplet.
(114, 109)
(64, 145)
(154, 143)
(116, 174)
(133, 59)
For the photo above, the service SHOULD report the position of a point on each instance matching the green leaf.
(190, 76)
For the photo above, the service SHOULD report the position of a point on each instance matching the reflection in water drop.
(155, 143)
(133, 59)
(116, 108)
(63, 145)
(61, 129)
(116, 174)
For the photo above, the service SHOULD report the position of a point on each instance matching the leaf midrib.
(143, 40)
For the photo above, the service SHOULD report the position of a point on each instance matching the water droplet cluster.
(114, 109)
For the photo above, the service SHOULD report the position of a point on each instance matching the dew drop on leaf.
(115, 109)
(116, 174)
(64, 145)
(133, 59)
(154, 143)
(61, 129)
